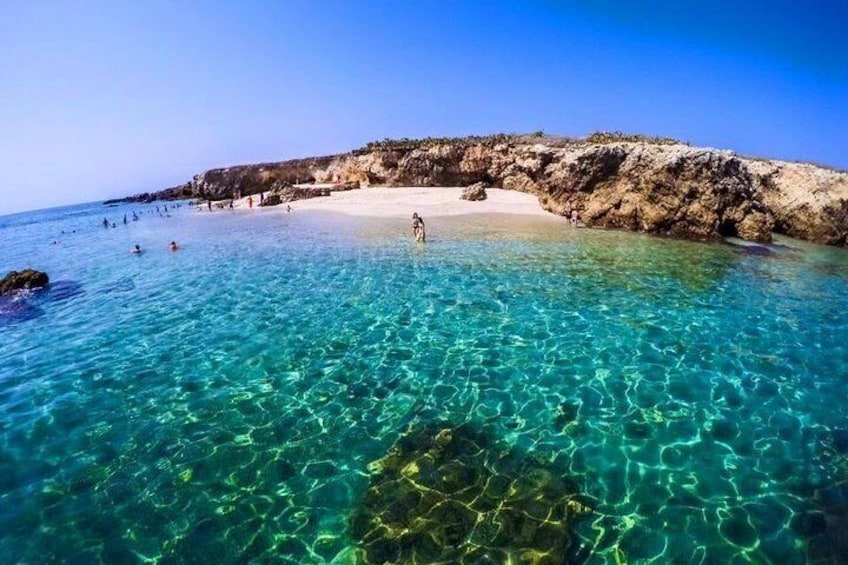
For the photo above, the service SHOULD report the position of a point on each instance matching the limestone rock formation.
(807, 202)
(28, 278)
(474, 192)
(611, 180)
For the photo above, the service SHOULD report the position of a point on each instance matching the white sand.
(401, 202)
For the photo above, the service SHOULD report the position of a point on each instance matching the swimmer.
(135, 249)
(173, 246)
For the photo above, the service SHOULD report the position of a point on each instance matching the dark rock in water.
(28, 278)
(474, 192)
(15, 310)
(566, 413)
(840, 441)
(452, 495)
(825, 525)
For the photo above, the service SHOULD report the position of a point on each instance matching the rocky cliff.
(611, 180)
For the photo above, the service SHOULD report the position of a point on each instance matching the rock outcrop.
(474, 192)
(612, 181)
(28, 278)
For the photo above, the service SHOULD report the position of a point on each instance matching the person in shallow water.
(418, 228)
(135, 249)
(173, 246)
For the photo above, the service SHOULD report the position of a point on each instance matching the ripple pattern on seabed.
(223, 403)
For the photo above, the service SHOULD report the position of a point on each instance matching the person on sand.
(173, 246)
(574, 217)
(136, 249)
(418, 228)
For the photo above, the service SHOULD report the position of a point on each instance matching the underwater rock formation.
(451, 495)
(28, 278)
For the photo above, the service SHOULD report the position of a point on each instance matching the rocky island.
(613, 180)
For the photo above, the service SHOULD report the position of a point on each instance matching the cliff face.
(665, 188)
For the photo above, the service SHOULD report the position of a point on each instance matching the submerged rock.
(824, 525)
(28, 278)
(452, 495)
(474, 192)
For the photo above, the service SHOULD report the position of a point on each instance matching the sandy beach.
(401, 202)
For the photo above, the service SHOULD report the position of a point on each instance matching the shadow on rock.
(452, 495)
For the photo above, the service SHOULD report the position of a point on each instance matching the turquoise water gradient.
(222, 403)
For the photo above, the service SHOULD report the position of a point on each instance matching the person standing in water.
(418, 228)
(250, 202)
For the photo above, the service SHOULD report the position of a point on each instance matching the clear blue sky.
(105, 99)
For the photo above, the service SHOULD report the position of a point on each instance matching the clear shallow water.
(222, 403)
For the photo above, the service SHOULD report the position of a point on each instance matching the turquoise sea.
(226, 403)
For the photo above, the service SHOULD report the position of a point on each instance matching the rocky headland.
(653, 185)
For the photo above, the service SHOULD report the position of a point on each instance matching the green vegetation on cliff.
(597, 138)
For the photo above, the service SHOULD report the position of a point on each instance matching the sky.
(107, 99)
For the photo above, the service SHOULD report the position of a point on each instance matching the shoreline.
(401, 202)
